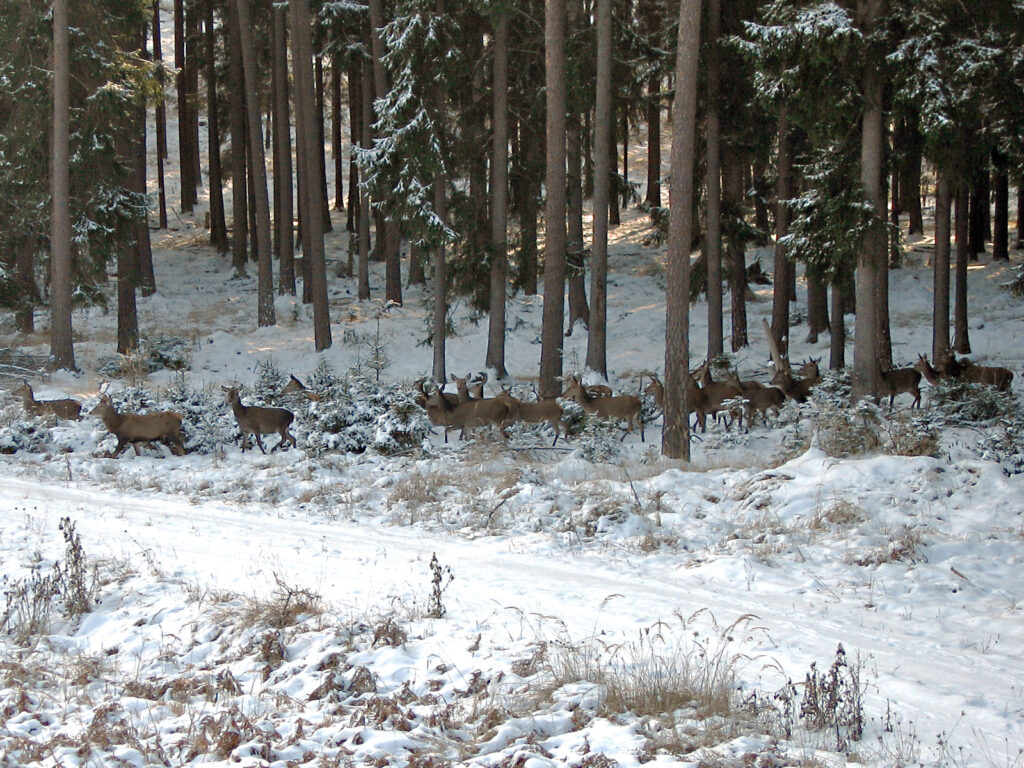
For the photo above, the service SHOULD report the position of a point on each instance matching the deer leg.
(259, 442)
(121, 443)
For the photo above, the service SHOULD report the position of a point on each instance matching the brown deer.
(695, 398)
(993, 376)
(65, 408)
(534, 412)
(760, 399)
(466, 415)
(257, 420)
(137, 428)
(716, 392)
(421, 398)
(897, 381)
(296, 387)
(622, 407)
(469, 388)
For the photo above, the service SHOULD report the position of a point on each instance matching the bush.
(172, 353)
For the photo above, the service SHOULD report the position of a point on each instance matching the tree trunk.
(62, 351)
(961, 340)
(188, 182)
(313, 237)
(366, 138)
(940, 267)
(654, 141)
(576, 271)
(440, 318)
(336, 149)
(675, 441)
(873, 254)
(355, 121)
(495, 357)
(144, 276)
(284, 201)
(218, 224)
(597, 337)
(532, 161)
(614, 215)
(1020, 217)
(392, 237)
(782, 265)
(837, 327)
(257, 167)
(192, 59)
(321, 106)
(979, 204)
(161, 124)
(713, 182)
(555, 203)
(417, 275)
(1001, 220)
(817, 308)
(239, 193)
(732, 186)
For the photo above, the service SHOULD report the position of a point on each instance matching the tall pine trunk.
(597, 338)
(576, 271)
(218, 224)
(239, 188)
(313, 237)
(495, 357)
(284, 202)
(782, 264)
(713, 181)
(555, 203)
(366, 138)
(940, 267)
(62, 351)
(873, 254)
(675, 441)
(961, 339)
(257, 167)
(161, 125)
(732, 187)
(1001, 216)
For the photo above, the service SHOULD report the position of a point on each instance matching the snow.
(752, 556)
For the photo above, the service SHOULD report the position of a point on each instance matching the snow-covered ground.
(281, 609)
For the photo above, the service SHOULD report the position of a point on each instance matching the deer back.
(64, 408)
(257, 419)
(138, 427)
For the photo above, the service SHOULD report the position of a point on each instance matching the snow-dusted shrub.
(843, 429)
(207, 421)
(1016, 284)
(269, 380)
(355, 415)
(914, 433)
(1005, 444)
(157, 353)
(960, 402)
(30, 434)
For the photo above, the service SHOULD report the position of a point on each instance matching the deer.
(716, 392)
(897, 381)
(421, 398)
(65, 408)
(468, 388)
(466, 415)
(622, 407)
(539, 411)
(760, 399)
(294, 386)
(994, 376)
(257, 420)
(695, 398)
(137, 428)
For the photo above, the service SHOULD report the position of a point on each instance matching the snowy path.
(242, 547)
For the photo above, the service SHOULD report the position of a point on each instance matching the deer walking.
(897, 381)
(534, 412)
(64, 408)
(717, 392)
(993, 376)
(257, 420)
(695, 397)
(134, 428)
(622, 407)
(466, 415)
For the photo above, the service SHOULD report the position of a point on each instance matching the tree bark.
(366, 137)
(62, 351)
(336, 149)
(713, 240)
(817, 308)
(1001, 220)
(321, 106)
(355, 121)
(873, 254)
(782, 265)
(257, 168)
(313, 237)
(940, 267)
(576, 272)
(284, 201)
(495, 357)
(979, 204)
(732, 186)
(837, 327)
(161, 125)
(215, 175)
(392, 236)
(239, 193)
(187, 179)
(675, 441)
(597, 354)
(555, 203)
(961, 339)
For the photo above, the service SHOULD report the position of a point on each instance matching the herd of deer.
(468, 408)
(163, 426)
